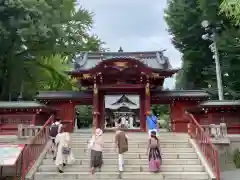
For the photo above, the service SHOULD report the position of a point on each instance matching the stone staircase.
(180, 162)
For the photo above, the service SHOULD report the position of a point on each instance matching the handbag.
(91, 143)
(66, 150)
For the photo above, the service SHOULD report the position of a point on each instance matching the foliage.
(231, 8)
(184, 19)
(165, 122)
(84, 115)
(49, 74)
(198, 72)
(236, 158)
(32, 33)
(160, 109)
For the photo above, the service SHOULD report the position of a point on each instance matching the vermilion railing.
(205, 144)
(35, 147)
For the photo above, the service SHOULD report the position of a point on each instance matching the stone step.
(134, 141)
(127, 168)
(125, 175)
(135, 150)
(133, 134)
(111, 155)
(133, 161)
(173, 139)
(138, 145)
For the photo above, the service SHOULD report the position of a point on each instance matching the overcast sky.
(136, 25)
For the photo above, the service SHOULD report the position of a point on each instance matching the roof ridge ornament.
(120, 49)
(160, 58)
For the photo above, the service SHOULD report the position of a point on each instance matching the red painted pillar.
(95, 121)
(142, 109)
(101, 111)
(147, 102)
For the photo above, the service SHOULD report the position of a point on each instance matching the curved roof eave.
(100, 66)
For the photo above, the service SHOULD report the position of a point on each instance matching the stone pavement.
(231, 175)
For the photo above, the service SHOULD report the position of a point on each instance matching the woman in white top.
(64, 154)
(96, 145)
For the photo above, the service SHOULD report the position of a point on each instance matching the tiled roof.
(20, 104)
(214, 103)
(111, 99)
(62, 95)
(153, 59)
(123, 99)
(180, 93)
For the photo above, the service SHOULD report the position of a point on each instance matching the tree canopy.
(38, 40)
(198, 72)
(231, 8)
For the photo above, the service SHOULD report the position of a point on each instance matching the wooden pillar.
(142, 109)
(95, 106)
(101, 111)
(147, 102)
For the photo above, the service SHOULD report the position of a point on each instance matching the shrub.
(236, 158)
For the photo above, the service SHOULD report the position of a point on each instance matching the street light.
(211, 35)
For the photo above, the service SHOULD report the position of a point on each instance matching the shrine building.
(126, 83)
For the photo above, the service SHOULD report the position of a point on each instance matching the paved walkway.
(230, 175)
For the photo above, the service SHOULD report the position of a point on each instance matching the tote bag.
(66, 149)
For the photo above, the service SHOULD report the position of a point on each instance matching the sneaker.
(60, 171)
(64, 164)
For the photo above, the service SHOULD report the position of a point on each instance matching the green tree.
(32, 32)
(228, 46)
(198, 71)
(48, 75)
(184, 22)
(231, 8)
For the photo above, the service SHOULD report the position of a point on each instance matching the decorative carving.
(147, 89)
(95, 89)
(86, 76)
(121, 64)
(155, 75)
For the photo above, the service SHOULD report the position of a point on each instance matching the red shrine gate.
(139, 73)
(179, 101)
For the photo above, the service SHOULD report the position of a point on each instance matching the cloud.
(136, 25)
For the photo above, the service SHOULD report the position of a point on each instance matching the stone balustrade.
(26, 131)
(218, 133)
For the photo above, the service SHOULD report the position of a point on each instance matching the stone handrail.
(26, 131)
(218, 132)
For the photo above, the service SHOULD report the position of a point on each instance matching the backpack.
(54, 130)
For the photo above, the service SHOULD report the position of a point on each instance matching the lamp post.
(211, 35)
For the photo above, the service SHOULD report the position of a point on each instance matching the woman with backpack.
(154, 153)
(64, 154)
(54, 130)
